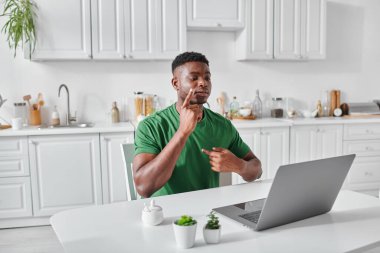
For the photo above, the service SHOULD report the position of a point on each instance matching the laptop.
(299, 191)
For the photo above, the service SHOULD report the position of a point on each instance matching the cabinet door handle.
(369, 148)
(369, 131)
(219, 25)
(369, 174)
(32, 142)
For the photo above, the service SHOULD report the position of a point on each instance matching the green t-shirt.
(192, 170)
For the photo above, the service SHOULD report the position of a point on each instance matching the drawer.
(365, 170)
(13, 146)
(15, 197)
(362, 148)
(14, 166)
(362, 131)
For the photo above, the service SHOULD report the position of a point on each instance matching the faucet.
(69, 118)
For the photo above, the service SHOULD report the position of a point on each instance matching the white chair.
(127, 151)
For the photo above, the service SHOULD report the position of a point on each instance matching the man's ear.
(175, 83)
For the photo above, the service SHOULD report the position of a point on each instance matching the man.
(185, 146)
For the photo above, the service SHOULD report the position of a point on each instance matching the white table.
(352, 225)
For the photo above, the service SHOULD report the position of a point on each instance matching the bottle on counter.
(234, 108)
(115, 113)
(55, 121)
(326, 103)
(257, 106)
(319, 109)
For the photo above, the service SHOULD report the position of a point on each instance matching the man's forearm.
(251, 169)
(154, 174)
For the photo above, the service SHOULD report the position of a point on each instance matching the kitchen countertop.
(241, 124)
(97, 128)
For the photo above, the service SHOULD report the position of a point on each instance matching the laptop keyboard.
(252, 216)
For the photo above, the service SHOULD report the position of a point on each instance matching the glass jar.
(20, 111)
(139, 104)
(277, 110)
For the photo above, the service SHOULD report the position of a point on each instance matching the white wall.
(352, 65)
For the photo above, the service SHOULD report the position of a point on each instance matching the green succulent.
(186, 220)
(20, 26)
(213, 221)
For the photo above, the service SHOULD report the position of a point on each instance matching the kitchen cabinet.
(283, 29)
(65, 172)
(14, 157)
(364, 141)
(63, 30)
(113, 169)
(256, 40)
(270, 145)
(315, 142)
(138, 29)
(15, 197)
(15, 189)
(299, 29)
(216, 15)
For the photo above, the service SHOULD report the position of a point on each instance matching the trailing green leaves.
(20, 27)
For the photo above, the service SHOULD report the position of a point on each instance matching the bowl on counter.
(245, 112)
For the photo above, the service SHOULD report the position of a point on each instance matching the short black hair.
(188, 57)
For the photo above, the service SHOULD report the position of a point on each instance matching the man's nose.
(202, 82)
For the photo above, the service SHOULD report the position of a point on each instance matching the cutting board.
(5, 127)
(362, 116)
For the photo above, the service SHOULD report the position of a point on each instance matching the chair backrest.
(127, 154)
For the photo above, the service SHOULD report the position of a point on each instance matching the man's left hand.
(223, 160)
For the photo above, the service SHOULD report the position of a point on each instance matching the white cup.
(16, 123)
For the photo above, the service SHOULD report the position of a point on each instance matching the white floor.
(29, 240)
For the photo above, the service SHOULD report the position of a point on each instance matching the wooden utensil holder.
(35, 117)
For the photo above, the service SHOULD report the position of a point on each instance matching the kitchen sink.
(74, 125)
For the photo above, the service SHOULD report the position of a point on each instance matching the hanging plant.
(20, 26)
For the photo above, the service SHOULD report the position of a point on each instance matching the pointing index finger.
(186, 103)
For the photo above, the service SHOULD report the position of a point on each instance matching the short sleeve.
(145, 139)
(237, 146)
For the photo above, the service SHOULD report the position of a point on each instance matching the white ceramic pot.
(211, 235)
(185, 235)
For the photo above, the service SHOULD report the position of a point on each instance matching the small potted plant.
(211, 231)
(185, 229)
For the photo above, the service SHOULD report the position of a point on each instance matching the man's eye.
(207, 78)
(194, 78)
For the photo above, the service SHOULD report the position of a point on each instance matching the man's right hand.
(190, 115)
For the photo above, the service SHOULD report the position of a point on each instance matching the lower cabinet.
(15, 189)
(15, 197)
(65, 172)
(270, 145)
(364, 141)
(315, 142)
(113, 169)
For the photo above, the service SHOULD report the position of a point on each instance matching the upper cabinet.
(138, 29)
(300, 29)
(256, 40)
(283, 29)
(113, 30)
(63, 30)
(108, 29)
(215, 14)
